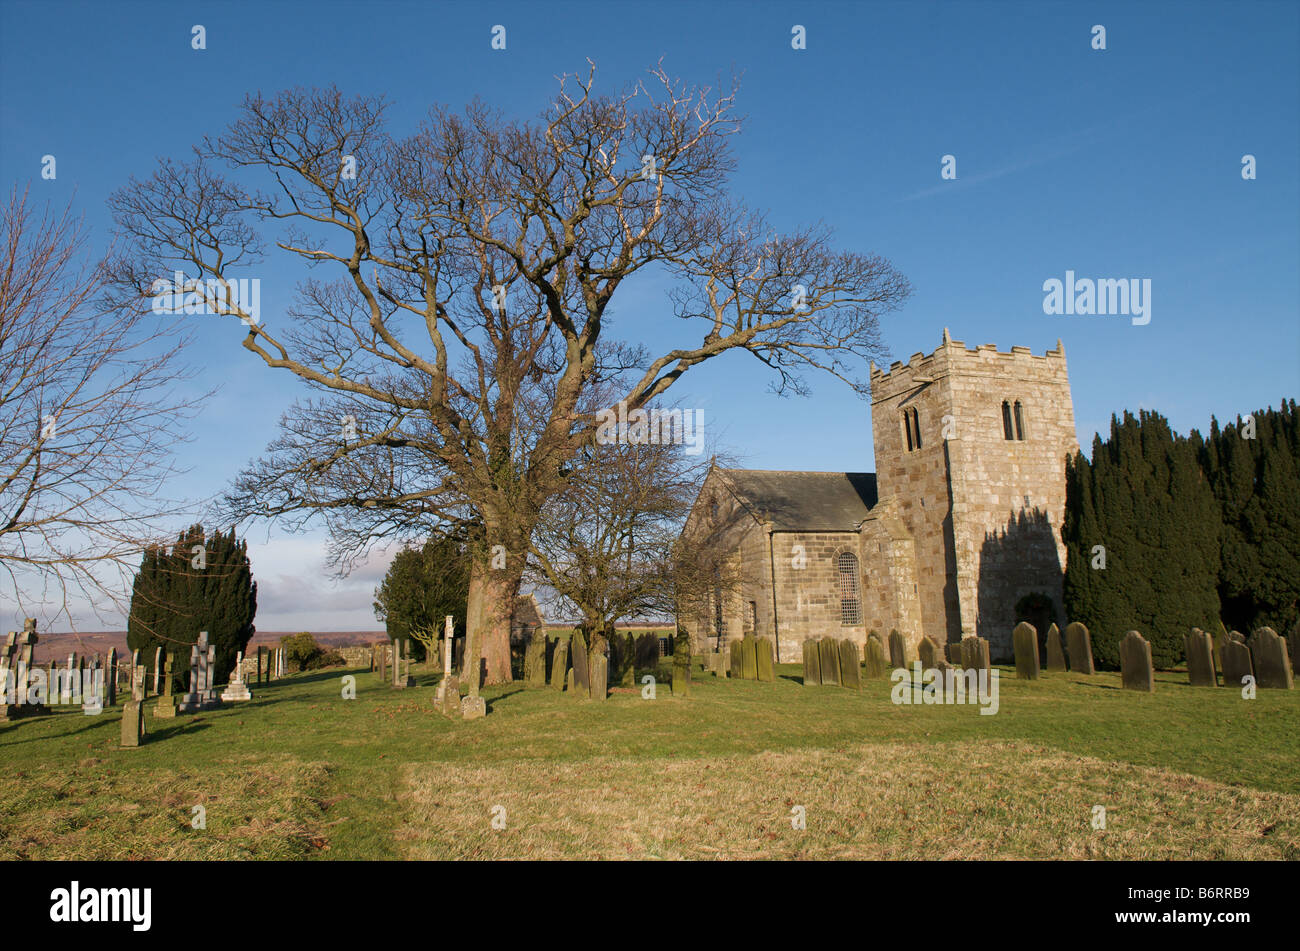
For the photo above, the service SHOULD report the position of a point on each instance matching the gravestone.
(166, 705)
(133, 711)
(682, 664)
(829, 658)
(647, 651)
(157, 670)
(627, 661)
(65, 691)
(237, 689)
(1199, 650)
(763, 658)
(1293, 645)
(560, 663)
(599, 675)
(928, 652)
(201, 695)
(733, 658)
(1079, 644)
(1055, 652)
(1136, 671)
(382, 651)
(261, 662)
(850, 666)
(897, 650)
(473, 708)
(975, 654)
(535, 660)
(581, 671)
(953, 652)
(1272, 665)
(1237, 663)
(1025, 638)
(812, 668)
(749, 657)
(110, 679)
(874, 659)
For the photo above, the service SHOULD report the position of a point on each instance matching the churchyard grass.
(298, 772)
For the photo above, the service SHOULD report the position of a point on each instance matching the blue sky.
(1121, 163)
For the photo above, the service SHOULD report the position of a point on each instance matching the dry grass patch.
(257, 807)
(975, 800)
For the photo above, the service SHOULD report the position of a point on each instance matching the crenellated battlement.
(954, 355)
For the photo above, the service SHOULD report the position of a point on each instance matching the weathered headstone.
(473, 707)
(581, 672)
(763, 657)
(749, 657)
(975, 654)
(735, 667)
(874, 659)
(1136, 671)
(682, 664)
(1055, 651)
(829, 652)
(897, 650)
(133, 711)
(157, 670)
(1025, 638)
(1272, 665)
(812, 667)
(166, 705)
(647, 651)
(1079, 644)
(382, 652)
(928, 652)
(599, 675)
(1236, 658)
(559, 663)
(953, 652)
(850, 666)
(1199, 649)
(535, 659)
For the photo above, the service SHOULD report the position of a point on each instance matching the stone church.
(960, 522)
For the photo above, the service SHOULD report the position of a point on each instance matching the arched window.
(850, 602)
(912, 429)
(1020, 421)
(1007, 432)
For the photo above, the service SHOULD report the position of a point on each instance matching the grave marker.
(1272, 665)
(829, 656)
(1025, 638)
(1237, 663)
(876, 664)
(1055, 651)
(812, 668)
(897, 650)
(850, 668)
(1136, 671)
(1199, 650)
(1079, 644)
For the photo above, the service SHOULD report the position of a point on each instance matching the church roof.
(805, 501)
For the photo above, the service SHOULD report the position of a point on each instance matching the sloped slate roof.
(805, 501)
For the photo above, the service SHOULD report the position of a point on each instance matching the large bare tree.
(476, 261)
(89, 418)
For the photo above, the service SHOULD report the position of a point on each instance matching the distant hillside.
(59, 646)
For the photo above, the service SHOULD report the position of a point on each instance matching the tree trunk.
(492, 593)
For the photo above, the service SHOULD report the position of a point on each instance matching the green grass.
(300, 772)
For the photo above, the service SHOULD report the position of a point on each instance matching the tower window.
(1006, 421)
(850, 603)
(1020, 421)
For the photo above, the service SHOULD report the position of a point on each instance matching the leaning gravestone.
(682, 664)
(749, 657)
(581, 672)
(1136, 671)
(829, 656)
(850, 667)
(1079, 644)
(110, 679)
(812, 668)
(1055, 652)
(1236, 660)
(1272, 665)
(560, 663)
(1025, 638)
(928, 652)
(1199, 650)
(874, 659)
(535, 660)
(897, 650)
(763, 659)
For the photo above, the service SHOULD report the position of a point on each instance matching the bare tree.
(88, 418)
(478, 259)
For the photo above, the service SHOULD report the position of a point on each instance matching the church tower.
(970, 462)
